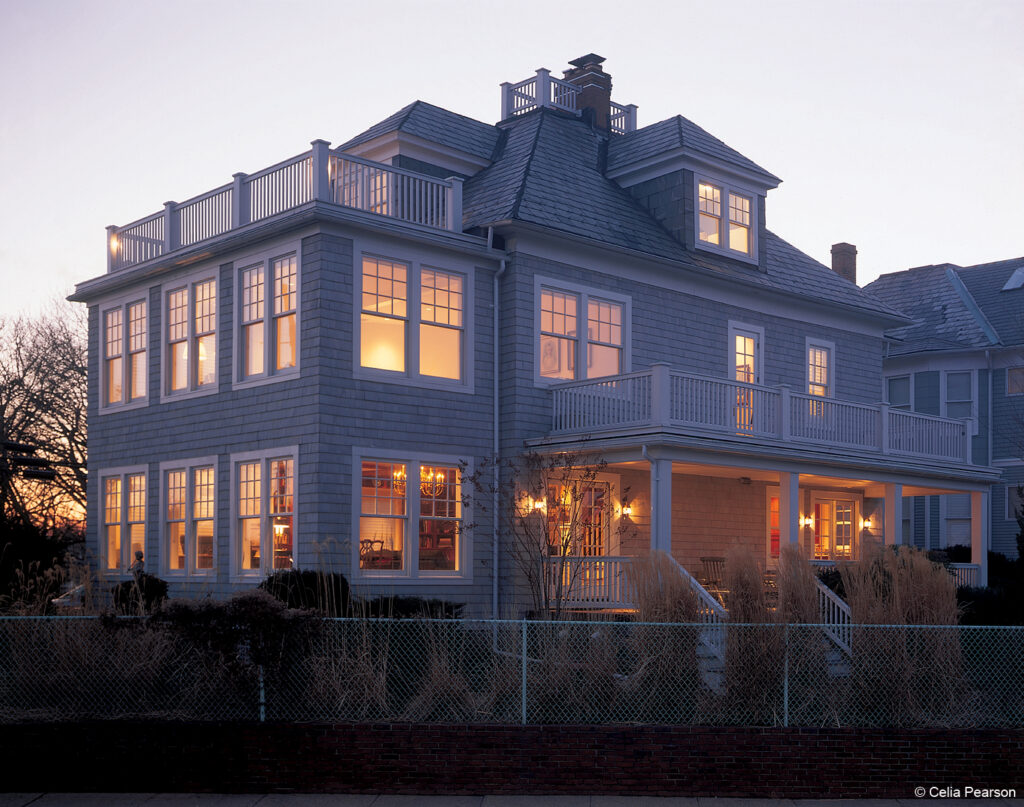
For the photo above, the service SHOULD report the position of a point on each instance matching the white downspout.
(497, 446)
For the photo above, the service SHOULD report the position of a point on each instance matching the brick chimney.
(844, 261)
(595, 87)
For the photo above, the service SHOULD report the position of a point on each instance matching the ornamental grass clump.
(902, 676)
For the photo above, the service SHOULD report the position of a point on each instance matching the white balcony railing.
(588, 582)
(319, 174)
(965, 574)
(660, 398)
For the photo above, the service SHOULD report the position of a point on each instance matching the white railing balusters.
(835, 617)
(710, 612)
(965, 574)
(588, 582)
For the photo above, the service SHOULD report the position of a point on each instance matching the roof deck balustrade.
(664, 398)
(320, 175)
(542, 90)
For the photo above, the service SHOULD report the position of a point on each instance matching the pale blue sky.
(897, 126)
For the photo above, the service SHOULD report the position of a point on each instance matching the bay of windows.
(268, 305)
(561, 341)
(265, 513)
(386, 500)
(192, 337)
(724, 218)
(124, 519)
(125, 376)
(189, 512)
(412, 320)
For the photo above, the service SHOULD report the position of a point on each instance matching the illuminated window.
(440, 324)
(725, 219)
(265, 514)
(819, 363)
(268, 326)
(124, 373)
(561, 342)
(124, 519)
(413, 321)
(1015, 381)
(745, 368)
(190, 505)
(191, 334)
(387, 498)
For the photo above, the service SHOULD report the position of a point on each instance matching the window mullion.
(414, 316)
(413, 516)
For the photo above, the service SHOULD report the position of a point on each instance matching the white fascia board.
(682, 158)
(643, 268)
(387, 146)
(935, 360)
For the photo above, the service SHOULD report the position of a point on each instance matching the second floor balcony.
(317, 175)
(667, 400)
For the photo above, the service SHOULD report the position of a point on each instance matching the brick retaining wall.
(652, 760)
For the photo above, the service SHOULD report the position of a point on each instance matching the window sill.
(726, 253)
(262, 381)
(128, 407)
(419, 382)
(185, 396)
(405, 580)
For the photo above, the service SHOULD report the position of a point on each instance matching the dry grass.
(660, 593)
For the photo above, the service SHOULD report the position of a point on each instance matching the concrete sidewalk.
(340, 800)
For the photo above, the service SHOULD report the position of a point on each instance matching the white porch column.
(789, 508)
(661, 505)
(979, 534)
(893, 513)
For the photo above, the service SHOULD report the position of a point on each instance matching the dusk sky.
(896, 126)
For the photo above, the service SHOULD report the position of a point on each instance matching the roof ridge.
(972, 306)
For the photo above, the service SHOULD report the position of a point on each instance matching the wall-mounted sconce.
(806, 521)
(627, 509)
(865, 523)
(539, 504)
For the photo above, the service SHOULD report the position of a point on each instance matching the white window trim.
(857, 499)
(1006, 382)
(122, 302)
(415, 262)
(122, 472)
(885, 388)
(726, 187)
(189, 280)
(265, 257)
(614, 482)
(743, 329)
(187, 465)
(1009, 492)
(823, 344)
(583, 294)
(974, 396)
(411, 574)
(237, 574)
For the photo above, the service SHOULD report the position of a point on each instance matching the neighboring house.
(272, 362)
(962, 357)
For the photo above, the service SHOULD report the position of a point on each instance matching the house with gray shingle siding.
(962, 356)
(305, 367)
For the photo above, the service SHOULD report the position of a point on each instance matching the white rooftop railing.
(663, 398)
(320, 175)
(543, 90)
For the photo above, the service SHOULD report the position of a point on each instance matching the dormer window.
(725, 217)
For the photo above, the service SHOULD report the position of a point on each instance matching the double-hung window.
(898, 391)
(565, 350)
(725, 219)
(958, 397)
(124, 517)
(124, 372)
(412, 321)
(268, 323)
(389, 496)
(819, 369)
(189, 511)
(264, 507)
(191, 337)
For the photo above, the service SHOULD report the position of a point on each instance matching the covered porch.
(700, 509)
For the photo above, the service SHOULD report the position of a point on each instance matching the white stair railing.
(835, 617)
(710, 612)
(588, 582)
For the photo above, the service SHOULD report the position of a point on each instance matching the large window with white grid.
(267, 324)
(190, 336)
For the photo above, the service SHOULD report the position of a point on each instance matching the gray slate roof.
(954, 307)
(674, 133)
(436, 125)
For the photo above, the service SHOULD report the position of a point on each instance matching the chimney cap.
(590, 58)
(842, 246)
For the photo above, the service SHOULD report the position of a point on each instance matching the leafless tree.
(43, 404)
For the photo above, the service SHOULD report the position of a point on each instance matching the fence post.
(522, 704)
(785, 680)
(263, 697)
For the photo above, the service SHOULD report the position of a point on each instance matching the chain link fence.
(508, 672)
